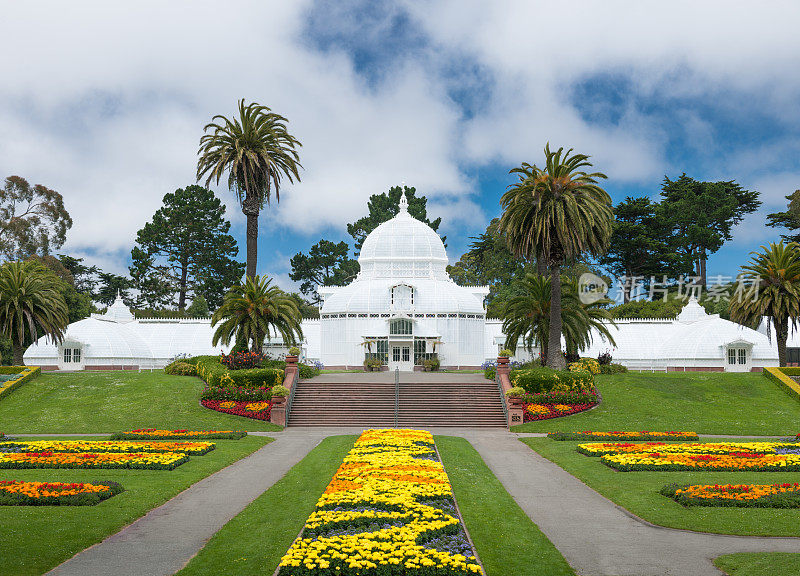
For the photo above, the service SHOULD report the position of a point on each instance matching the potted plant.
(503, 356)
(279, 394)
(515, 396)
(293, 355)
(372, 365)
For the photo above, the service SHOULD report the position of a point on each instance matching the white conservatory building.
(402, 308)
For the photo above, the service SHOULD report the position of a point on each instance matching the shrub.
(210, 369)
(242, 360)
(232, 393)
(294, 351)
(604, 358)
(612, 368)
(538, 380)
(373, 364)
(585, 365)
(308, 371)
(280, 390)
(180, 368)
(432, 364)
(505, 353)
(516, 391)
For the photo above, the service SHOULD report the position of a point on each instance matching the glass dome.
(403, 247)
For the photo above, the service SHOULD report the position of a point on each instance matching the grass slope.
(254, 541)
(42, 537)
(106, 402)
(759, 564)
(707, 403)
(638, 493)
(507, 541)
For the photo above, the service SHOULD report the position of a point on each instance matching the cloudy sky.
(105, 102)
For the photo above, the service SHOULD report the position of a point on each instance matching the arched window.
(400, 327)
(402, 297)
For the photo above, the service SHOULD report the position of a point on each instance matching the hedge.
(26, 374)
(781, 377)
(210, 369)
(538, 380)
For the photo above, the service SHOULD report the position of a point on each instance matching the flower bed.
(164, 461)
(236, 393)
(738, 462)
(601, 448)
(737, 495)
(537, 411)
(25, 374)
(21, 493)
(641, 435)
(154, 434)
(257, 410)
(98, 446)
(389, 510)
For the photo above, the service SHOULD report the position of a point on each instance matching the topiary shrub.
(214, 373)
(539, 380)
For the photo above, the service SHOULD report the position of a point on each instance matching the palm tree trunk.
(555, 359)
(252, 237)
(541, 264)
(18, 351)
(781, 335)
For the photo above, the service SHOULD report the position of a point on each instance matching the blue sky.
(108, 102)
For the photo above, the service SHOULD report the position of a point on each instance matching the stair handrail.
(396, 396)
(292, 390)
(502, 394)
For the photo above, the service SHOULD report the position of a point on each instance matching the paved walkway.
(167, 537)
(597, 537)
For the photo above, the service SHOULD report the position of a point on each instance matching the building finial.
(403, 202)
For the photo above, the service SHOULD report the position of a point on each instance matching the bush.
(373, 364)
(180, 368)
(585, 365)
(294, 351)
(604, 358)
(242, 360)
(612, 368)
(307, 371)
(505, 353)
(235, 394)
(538, 380)
(210, 369)
(431, 364)
(280, 390)
(516, 391)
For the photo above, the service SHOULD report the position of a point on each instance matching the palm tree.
(31, 305)
(251, 311)
(527, 316)
(556, 213)
(774, 275)
(256, 151)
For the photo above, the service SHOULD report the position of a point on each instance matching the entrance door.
(401, 358)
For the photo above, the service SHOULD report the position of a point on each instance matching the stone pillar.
(277, 414)
(515, 406)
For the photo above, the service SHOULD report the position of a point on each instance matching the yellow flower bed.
(602, 448)
(376, 516)
(163, 461)
(26, 373)
(737, 462)
(196, 448)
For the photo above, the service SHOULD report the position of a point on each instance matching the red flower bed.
(256, 410)
(534, 412)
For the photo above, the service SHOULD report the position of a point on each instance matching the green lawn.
(759, 564)
(507, 541)
(254, 541)
(707, 403)
(107, 402)
(42, 537)
(638, 492)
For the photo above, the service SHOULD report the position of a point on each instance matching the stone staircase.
(473, 402)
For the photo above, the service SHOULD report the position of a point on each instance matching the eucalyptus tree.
(770, 290)
(251, 311)
(257, 152)
(557, 213)
(31, 305)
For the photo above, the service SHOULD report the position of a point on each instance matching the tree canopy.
(790, 219)
(185, 251)
(33, 219)
(326, 264)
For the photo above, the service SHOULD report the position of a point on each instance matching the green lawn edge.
(702, 402)
(254, 541)
(638, 492)
(507, 541)
(759, 564)
(108, 402)
(41, 537)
